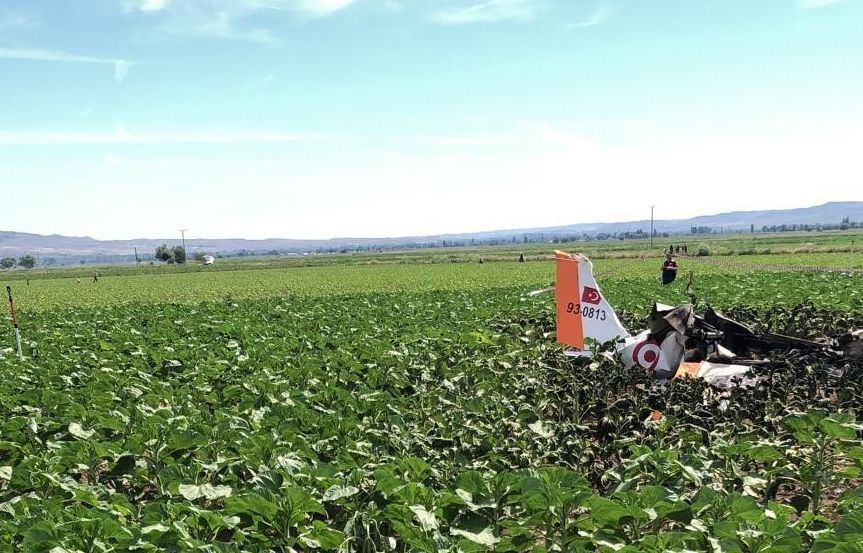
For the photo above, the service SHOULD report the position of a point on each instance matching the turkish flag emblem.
(590, 295)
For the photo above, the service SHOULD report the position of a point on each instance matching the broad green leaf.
(485, 538)
(334, 493)
(746, 509)
(252, 503)
(78, 431)
(426, 519)
(838, 430)
(605, 512)
(207, 491)
(753, 486)
(465, 495)
(290, 462)
(161, 528)
(40, 535)
(850, 528)
(538, 428)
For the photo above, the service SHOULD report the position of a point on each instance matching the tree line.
(25, 261)
(168, 254)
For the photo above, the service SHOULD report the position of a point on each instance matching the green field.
(393, 406)
(797, 244)
(57, 289)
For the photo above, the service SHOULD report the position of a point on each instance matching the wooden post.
(15, 322)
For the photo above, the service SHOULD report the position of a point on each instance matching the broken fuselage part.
(677, 343)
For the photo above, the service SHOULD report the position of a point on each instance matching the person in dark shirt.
(669, 269)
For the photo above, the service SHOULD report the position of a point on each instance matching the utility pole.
(651, 226)
(183, 234)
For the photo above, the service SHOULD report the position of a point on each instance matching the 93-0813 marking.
(586, 311)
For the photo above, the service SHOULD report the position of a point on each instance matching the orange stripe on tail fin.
(567, 296)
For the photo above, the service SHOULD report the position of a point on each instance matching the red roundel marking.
(646, 354)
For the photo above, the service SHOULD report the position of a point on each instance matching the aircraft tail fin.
(582, 310)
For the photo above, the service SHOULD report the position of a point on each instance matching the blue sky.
(323, 118)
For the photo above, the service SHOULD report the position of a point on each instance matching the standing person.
(669, 269)
(684, 250)
(95, 276)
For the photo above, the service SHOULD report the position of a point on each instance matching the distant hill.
(66, 249)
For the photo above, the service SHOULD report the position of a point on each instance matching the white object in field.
(724, 376)
(208, 260)
(18, 343)
(533, 293)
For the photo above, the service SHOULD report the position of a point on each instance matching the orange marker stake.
(568, 298)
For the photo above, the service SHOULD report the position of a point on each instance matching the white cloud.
(233, 19)
(200, 22)
(553, 174)
(816, 4)
(489, 11)
(259, 83)
(598, 17)
(152, 5)
(13, 19)
(50, 55)
(121, 67)
(121, 136)
(479, 140)
(243, 8)
(322, 7)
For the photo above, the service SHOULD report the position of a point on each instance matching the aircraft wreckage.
(677, 343)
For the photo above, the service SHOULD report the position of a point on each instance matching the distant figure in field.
(671, 248)
(684, 250)
(521, 258)
(480, 261)
(95, 276)
(669, 269)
